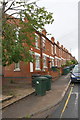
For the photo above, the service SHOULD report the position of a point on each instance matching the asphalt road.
(70, 105)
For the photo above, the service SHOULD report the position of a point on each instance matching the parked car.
(75, 74)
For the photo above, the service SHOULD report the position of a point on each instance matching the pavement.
(31, 105)
(10, 99)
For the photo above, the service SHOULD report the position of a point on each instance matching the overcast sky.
(65, 25)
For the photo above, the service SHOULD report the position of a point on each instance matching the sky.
(65, 26)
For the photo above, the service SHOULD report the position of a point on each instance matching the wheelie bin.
(40, 86)
(48, 82)
(33, 79)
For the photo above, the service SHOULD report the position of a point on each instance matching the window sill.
(37, 48)
(37, 69)
(16, 70)
(45, 67)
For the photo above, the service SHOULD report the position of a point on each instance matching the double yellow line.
(66, 103)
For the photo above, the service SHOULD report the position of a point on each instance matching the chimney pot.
(53, 39)
(57, 43)
(44, 32)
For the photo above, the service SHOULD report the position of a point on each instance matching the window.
(43, 42)
(52, 49)
(36, 41)
(17, 67)
(55, 49)
(17, 34)
(52, 62)
(44, 62)
(37, 63)
(55, 62)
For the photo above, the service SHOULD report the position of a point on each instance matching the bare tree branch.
(9, 7)
(16, 9)
(13, 14)
(18, 6)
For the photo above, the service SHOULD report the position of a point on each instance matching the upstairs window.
(43, 42)
(44, 62)
(36, 41)
(17, 34)
(52, 50)
(17, 67)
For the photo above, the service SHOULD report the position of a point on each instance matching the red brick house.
(47, 53)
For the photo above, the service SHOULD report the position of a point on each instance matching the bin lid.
(66, 68)
(41, 78)
(48, 76)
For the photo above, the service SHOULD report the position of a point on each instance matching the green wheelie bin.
(66, 70)
(33, 79)
(48, 82)
(54, 68)
(40, 86)
(71, 67)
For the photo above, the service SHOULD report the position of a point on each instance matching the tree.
(74, 61)
(14, 34)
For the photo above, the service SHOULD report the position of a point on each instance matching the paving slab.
(5, 98)
(21, 93)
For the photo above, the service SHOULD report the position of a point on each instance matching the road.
(70, 106)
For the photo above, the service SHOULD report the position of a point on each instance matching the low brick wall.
(56, 74)
(40, 72)
(28, 78)
(7, 80)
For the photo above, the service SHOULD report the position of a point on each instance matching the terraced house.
(47, 53)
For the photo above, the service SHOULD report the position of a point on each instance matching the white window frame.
(36, 41)
(31, 67)
(43, 42)
(52, 62)
(44, 62)
(17, 66)
(37, 61)
(17, 33)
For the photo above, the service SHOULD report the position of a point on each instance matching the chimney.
(52, 39)
(62, 46)
(57, 43)
(44, 32)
